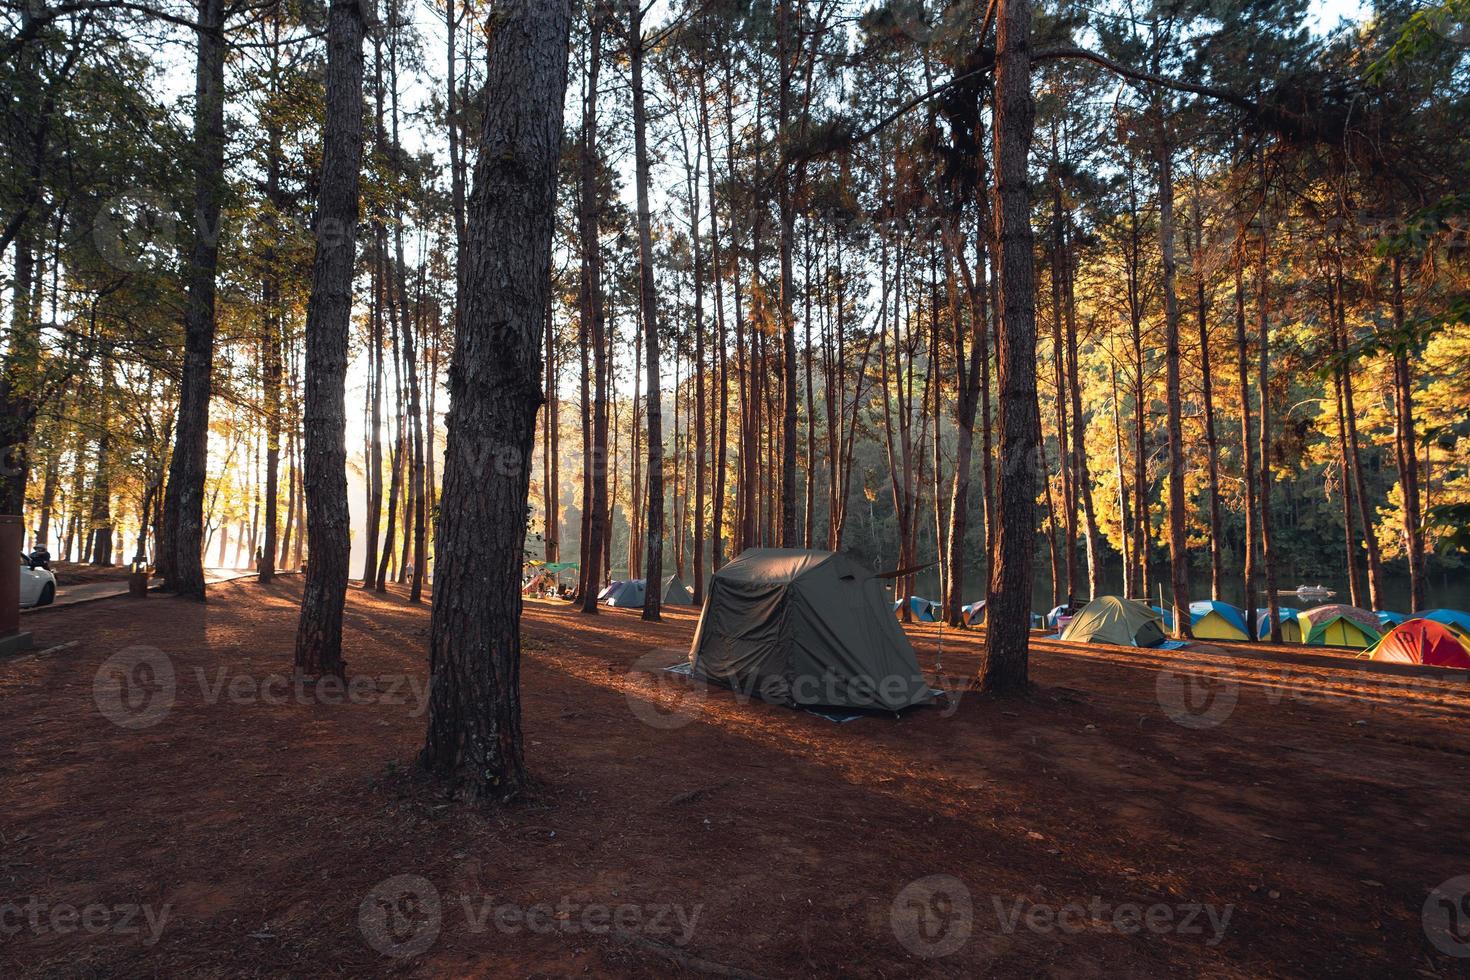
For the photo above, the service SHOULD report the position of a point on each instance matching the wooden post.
(12, 540)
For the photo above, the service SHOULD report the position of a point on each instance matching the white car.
(37, 585)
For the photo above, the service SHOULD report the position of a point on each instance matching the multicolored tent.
(1122, 622)
(1339, 626)
(1423, 641)
(1291, 630)
(1212, 620)
(924, 610)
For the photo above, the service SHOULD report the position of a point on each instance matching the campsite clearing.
(1293, 821)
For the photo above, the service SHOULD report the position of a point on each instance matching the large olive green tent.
(1122, 622)
(805, 628)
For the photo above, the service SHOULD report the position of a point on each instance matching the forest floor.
(170, 804)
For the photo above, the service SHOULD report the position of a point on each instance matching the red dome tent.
(1423, 641)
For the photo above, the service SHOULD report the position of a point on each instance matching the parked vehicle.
(37, 583)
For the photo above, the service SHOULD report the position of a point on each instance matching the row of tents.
(806, 628)
(1440, 637)
(929, 611)
(631, 593)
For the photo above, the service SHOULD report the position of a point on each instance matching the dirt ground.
(1203, 812)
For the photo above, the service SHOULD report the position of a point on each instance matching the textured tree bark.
(272, 368)
(1059, 381)
(1079, 450)
(967, 397)
(700, 378)
(1406, 444)
(592, 317)
(1004, 664)
(395, 451)
(1140, 578)
(1178, 531)
(375, 422)
(787, 217)
(328, 316)
(102, 492)
(717, 517)
(292, 501)
(648, 308)
(183, 503)
(1247, 444)
(1212, 440)
(1365, 508)
(1356, 591)
(1263, 307)
(474, 727)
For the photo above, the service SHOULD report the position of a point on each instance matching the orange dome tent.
(1423, 641)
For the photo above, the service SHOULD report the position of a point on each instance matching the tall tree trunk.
(395, 451)
(648, 310)
(1247, 444)
(786, 213)
(1079, 447)
(1130, 576)
(1365, 508)
(717, 517)
(700, 378)
(375, 419)
(1263, 306)
(102, 493)
(1356, 592)
(1212, 441)
(967, 391)
(292, 501)
(592, 317)
(328, 317)
(1178, 529)
(183, 505)
(474, 726)
(272, 368)
(1003, 666)
(1406, 443)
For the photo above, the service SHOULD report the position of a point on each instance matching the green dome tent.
(625, 594)
(1121, 622)
(675, 592)
(805, 628)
